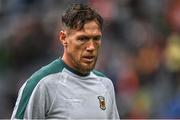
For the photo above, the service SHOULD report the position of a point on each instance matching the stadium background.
(140, 51)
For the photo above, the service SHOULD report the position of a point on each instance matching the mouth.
(88, 59)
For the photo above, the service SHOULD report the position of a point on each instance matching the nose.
(90, 46)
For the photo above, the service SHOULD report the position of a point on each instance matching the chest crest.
(102, 103)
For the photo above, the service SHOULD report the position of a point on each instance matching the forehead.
(89, 28)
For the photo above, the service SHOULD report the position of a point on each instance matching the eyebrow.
(90, 36)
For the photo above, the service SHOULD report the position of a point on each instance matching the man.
(69, 88)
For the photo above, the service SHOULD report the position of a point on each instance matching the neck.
(73, 68)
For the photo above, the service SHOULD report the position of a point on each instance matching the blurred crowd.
(140, 51)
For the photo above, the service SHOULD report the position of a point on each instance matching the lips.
(88, 58)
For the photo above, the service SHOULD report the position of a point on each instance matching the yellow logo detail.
(102, 103)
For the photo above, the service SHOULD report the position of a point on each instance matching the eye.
(97, 38)
(83, 38)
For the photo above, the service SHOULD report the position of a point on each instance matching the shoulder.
(37, 78)
(104, 79)
(48, 70)
(42, 75)
(99, 74)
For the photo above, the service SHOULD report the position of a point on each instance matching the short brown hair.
(78, 14)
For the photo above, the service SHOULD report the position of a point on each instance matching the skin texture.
(81, 46)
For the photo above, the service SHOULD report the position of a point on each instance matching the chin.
(88, 68)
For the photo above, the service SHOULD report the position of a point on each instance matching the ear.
(62, 37)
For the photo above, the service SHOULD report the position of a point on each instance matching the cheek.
(98, 45)
(75, 49)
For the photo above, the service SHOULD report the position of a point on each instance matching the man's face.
(81, 47)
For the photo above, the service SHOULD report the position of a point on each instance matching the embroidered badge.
(102, 103)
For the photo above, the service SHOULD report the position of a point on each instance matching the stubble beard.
(85, 68)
